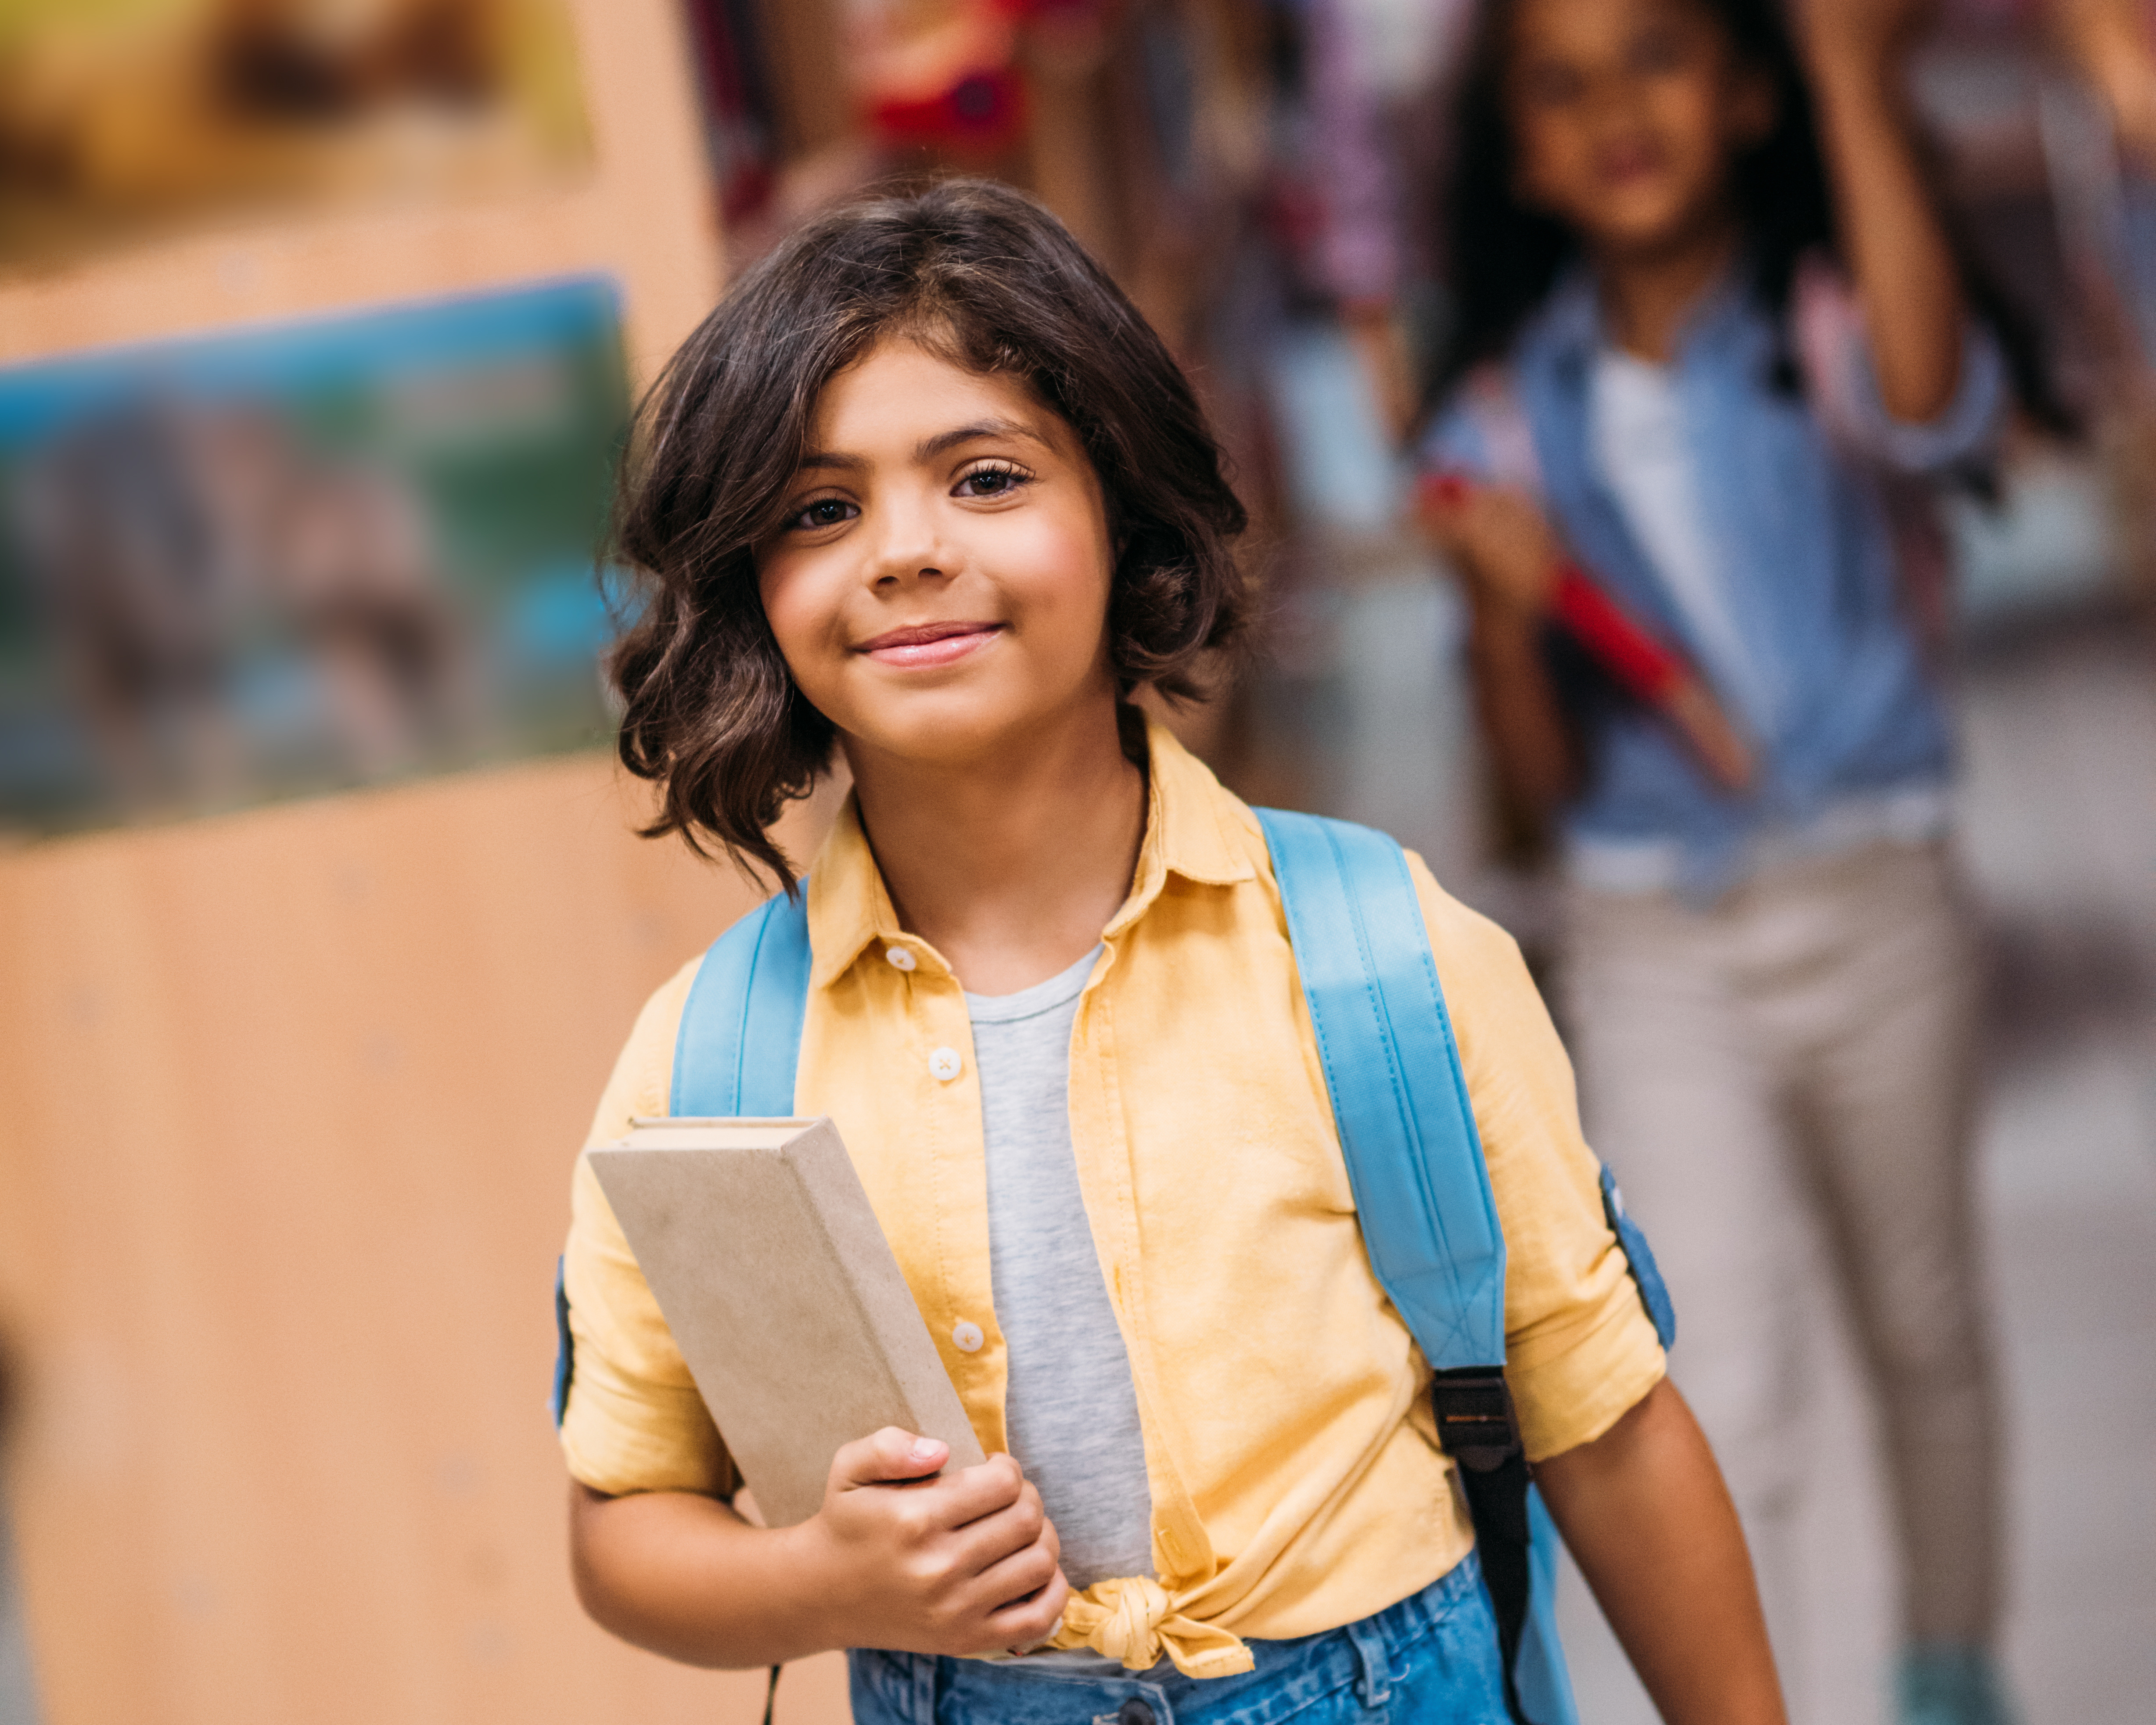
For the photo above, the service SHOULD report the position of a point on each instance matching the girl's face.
(939, 588)
(1625, 115)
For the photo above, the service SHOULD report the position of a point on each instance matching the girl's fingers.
(964, 1498)
(1445, 490)
(1700, 716)
(980, 1546)
(1441, 500)
(1026, 1618)
(1017, 1579)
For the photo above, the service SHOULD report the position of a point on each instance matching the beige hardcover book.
(783, 1296)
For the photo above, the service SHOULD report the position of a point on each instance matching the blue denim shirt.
(1841, 711)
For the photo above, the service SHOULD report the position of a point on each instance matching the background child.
(1680, 366)
(927, 487)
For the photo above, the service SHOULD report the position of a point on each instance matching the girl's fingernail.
(924, 1448)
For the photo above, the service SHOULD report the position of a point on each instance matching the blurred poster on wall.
(304, 557)
(121, 119)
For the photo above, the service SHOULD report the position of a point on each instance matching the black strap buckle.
(1476, 1423)
(1480, 1431)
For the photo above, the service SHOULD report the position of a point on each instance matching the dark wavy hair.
(1505, 257)
(985, 276)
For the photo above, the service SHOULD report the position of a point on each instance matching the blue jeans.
(1432, 1657)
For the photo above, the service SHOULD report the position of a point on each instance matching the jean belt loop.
(1375, 1685)
(927, 1668)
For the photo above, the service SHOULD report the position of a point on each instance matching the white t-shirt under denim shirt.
(1638, 427)
(1070, 1406)
(1641, 449)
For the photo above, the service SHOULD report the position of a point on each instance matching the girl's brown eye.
(990, 482)
(825, 512)
(1550, 86)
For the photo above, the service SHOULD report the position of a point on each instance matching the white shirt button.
(966, 1337)
(945, 1065)
(900, 958)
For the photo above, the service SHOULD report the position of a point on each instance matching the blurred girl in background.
(1708, 314)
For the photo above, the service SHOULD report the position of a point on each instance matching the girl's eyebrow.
(929, 448)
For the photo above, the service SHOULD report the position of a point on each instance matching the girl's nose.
(909, 548)
(895, 571)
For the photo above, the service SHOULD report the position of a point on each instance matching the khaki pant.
(1807, 1047)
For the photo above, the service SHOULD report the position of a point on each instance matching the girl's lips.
(937, 644)
(1626, 163)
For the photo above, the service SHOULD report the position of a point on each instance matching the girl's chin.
(957, 729)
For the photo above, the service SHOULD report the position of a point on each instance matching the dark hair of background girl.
(986, 277)
(1504, 258)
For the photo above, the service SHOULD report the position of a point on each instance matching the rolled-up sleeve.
(1580, 1349)
(634, 1421)
(1967, 431)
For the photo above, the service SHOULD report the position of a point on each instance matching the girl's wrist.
(812, 1583)
(1855, 69)
(1840, 71)
(1503, 633)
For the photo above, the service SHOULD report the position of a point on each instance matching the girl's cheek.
(789, 592)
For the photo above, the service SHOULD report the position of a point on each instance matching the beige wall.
(288, 1103)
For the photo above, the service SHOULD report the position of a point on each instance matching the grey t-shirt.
(1070, 1409)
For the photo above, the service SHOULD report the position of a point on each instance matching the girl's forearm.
(1891, 232)
(685, 1577)
(2110, 40)
(1645, 1512)
(1531, 744)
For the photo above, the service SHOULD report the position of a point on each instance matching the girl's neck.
(1649, 291)
(1011, 864)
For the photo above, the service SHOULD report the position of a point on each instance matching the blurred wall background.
(321, 917)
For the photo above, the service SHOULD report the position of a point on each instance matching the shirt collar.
(1191, 831)
(1568, 327)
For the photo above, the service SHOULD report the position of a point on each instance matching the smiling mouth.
(931, 644)
(1629, 164)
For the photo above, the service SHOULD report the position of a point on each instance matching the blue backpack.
(1414, 1161)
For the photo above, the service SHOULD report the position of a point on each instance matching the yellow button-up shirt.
(1296, 1478)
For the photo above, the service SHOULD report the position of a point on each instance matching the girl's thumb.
(891, 1453)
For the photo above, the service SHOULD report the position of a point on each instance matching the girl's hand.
(1698, 716)
(1509, 554)
(964, 1564)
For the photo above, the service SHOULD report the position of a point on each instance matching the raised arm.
(2111, 40)
(1891, 232)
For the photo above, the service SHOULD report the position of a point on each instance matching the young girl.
(927, 488)
(1678, 371)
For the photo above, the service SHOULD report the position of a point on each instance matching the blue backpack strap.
(565, 1344)
(735, 1053)
(1400, 1098)
(740, 1040)
(1422, 1194)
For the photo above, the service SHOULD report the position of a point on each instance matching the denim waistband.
(1369, 1658)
